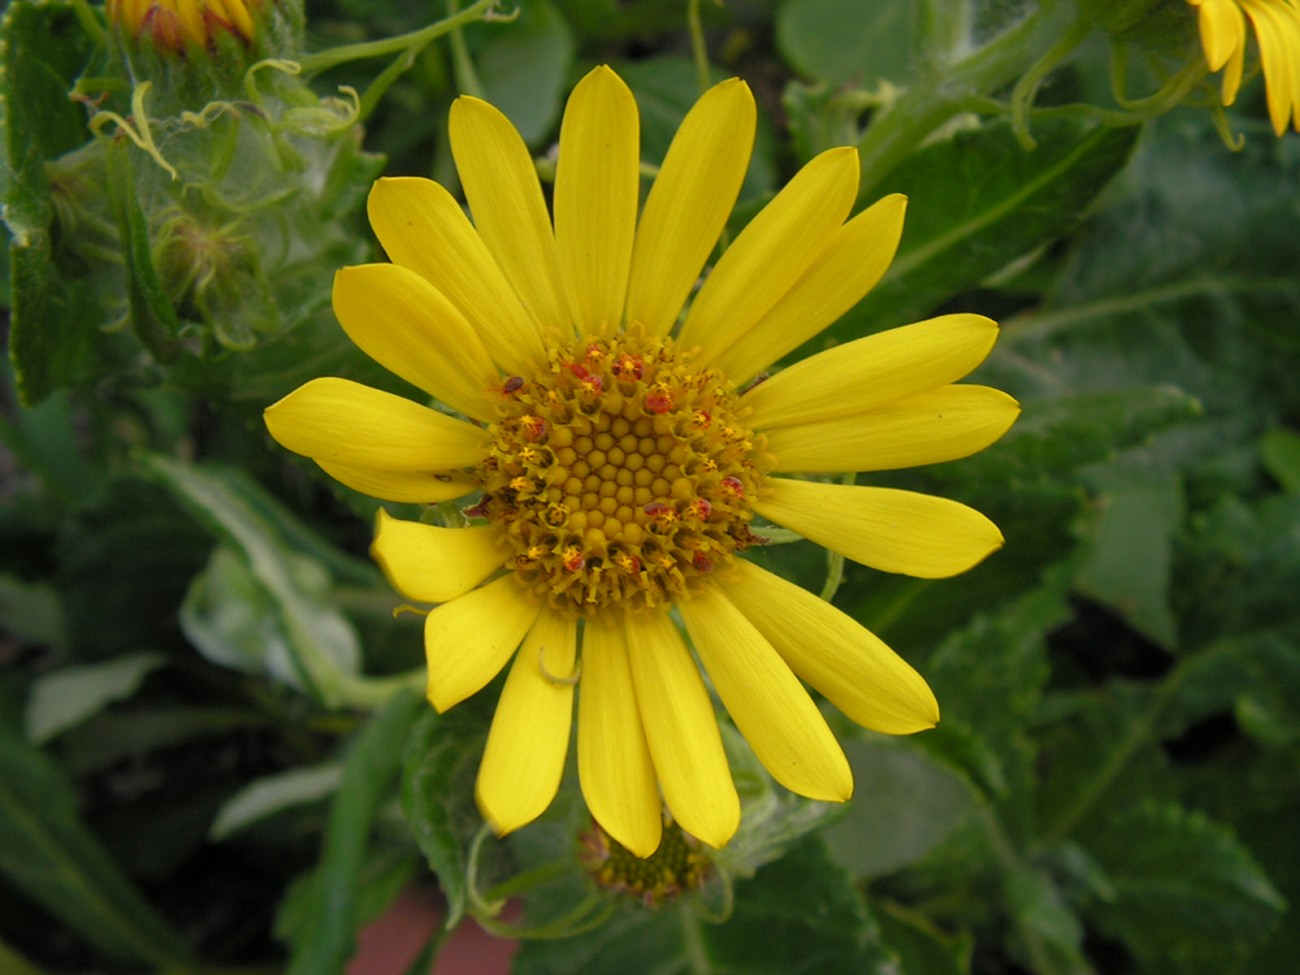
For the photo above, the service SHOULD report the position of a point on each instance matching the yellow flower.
(184, 23)
(621, 455)
(1277, 28)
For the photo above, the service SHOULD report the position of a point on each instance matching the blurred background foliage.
(213, 754)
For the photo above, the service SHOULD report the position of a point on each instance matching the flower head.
(618, 453)
(180, 24)
(1277, 28)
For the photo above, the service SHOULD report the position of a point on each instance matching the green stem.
(377, 88)
(942, 28)
(1140, 731)
(89, 22)
(412, 41)
(834, 560)
(1052, 322)
(1022, 97)
(1041, 959)
(965, 86)
(462, 66)
(423, 962)
(372, 693)
(699, 49)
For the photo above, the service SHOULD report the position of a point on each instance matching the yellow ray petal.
(772, 253)
(868, 372)
(422, 227)
(1232, 73)
(1223, 31)
(234, 13)
(524, 759)
(766, 700)
(337, 421)
(689, 204)
(405, 324)
(944, 424)
(191, 16)
(406, 487)
(856, 257)
(468, 640)
(596, 195)
(431, 564)
(833, 652)
(891, 530)
(1277, 27)
(509, 211)
(614, 764)
(682, 730)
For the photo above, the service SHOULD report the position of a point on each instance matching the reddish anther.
(657, 509)
(703, 564)
(733, 486)
(629, 367)
(574, 560)
(702, 508)
(534, 427)
(658, 400)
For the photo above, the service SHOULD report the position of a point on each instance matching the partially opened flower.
(178, 24)
(617, 452)
(1277, 28)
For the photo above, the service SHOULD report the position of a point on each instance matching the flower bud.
(212, 276)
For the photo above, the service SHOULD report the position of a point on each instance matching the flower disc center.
(620, 474)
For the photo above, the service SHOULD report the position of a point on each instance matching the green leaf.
(990, 676)
(906, 804)
(1049, 934)
(1188, 281)
(979, 201)
(153, 315)
(12, 963)
(113, 737)
(65, 698)
(1256, 676)
(327, 937)
(231, 618)
(798, 914)
(1237, 571)
(1128, 561)
(47, 853)
(1058, 434)
(920, 947)
(1280, 451)
(846, 41)
(45, 441)
(44, 49)
(289, 593)
(32, 612)
(524, 69)
(438, 769)
(272, 794)
(1190, 899)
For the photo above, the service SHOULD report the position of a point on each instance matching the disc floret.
(680, 864)
(620, 474)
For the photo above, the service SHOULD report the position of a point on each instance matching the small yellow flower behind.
(1277, 29)
(617, 453)
(178, 24)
